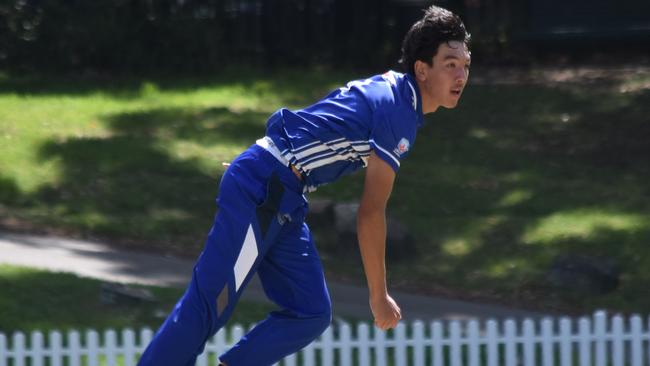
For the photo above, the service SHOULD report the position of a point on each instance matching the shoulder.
(374, 88)
(404, 104)
(404, 88)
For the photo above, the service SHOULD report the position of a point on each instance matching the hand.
(386, 312)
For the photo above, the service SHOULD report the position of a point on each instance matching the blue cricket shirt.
(335, 136)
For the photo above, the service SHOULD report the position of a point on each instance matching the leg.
(208, 301)
(292, 276)
(232, 252)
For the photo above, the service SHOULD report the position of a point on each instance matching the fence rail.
(599, 340)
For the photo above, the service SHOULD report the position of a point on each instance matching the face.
(442, 83)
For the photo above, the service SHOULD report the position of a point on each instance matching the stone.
(321, 212)
(115, 293)
(585, 274)
(400, 242)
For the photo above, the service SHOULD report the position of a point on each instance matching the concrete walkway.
(101, 261)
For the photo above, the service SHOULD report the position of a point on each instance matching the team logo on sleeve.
(402, 147)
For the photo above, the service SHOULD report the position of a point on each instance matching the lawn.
(39, 300)
(493, 191)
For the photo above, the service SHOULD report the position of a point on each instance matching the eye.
(451, 65)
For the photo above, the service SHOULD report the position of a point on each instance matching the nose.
(462, 75)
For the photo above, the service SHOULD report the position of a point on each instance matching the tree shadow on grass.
(9, 191)
(67, 302)
(480, 180)
(133, 186)
(210, 126)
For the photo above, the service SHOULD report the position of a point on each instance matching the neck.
(428, 104)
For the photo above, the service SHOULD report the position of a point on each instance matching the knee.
(320, 322)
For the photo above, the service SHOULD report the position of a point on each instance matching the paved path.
(101, 261)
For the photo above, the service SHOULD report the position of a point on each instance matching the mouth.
(456, 92)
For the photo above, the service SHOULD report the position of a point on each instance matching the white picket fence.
(598, 341)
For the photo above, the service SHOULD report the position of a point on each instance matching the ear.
(421, 69)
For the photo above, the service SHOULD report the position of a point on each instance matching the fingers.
(387, 324)
(390, 321)
(386, 312)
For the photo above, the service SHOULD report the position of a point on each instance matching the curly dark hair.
(437, 26)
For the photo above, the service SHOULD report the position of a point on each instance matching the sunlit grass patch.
(492, 191)
(583, 224)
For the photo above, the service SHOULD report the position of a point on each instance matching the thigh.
(292, 274)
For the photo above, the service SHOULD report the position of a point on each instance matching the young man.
(260, 224)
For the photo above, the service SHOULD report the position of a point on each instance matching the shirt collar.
(413, 88)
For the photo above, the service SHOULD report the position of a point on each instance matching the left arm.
(371, 231)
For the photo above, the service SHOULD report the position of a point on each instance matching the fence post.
(380, 347)
(529, 342)
(3, 350)
(92, 342)
(455, 347)
(647, 356)
(110, 345)
(618, 346)
(38, 353)
(128, 344)
(600, 332)
(436, 340)
(363, 332)
(218, 343)
(309, 354)
(401, 345)
(290, 360)
(345, 341)
(492, 347)
(637, 344)
(56, 358)
(585, 335)
(418, 343)
(548, 349)
(146, 335)
(511, 342)
(327, 349)
(473, 338)
(19, 349)
(566, 345)
(74, 346)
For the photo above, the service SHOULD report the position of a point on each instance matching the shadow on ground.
(481, 189)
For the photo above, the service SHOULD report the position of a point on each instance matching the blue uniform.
(260, 226)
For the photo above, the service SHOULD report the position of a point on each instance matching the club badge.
(402, 147)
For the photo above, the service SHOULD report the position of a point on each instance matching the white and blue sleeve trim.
(386, 155)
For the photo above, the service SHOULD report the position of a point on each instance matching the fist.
(385, 311)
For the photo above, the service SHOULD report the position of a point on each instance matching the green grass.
(40, 300)
(493, 191)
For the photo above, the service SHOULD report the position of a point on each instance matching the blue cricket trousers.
(259, 227)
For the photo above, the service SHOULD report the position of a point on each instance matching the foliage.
(162, 36)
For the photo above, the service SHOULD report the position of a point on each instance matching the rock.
(585, 274)
(400, 243)
(345, 218)
(321, 213)
(113, 293)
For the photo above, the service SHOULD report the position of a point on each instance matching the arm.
(371, 231)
